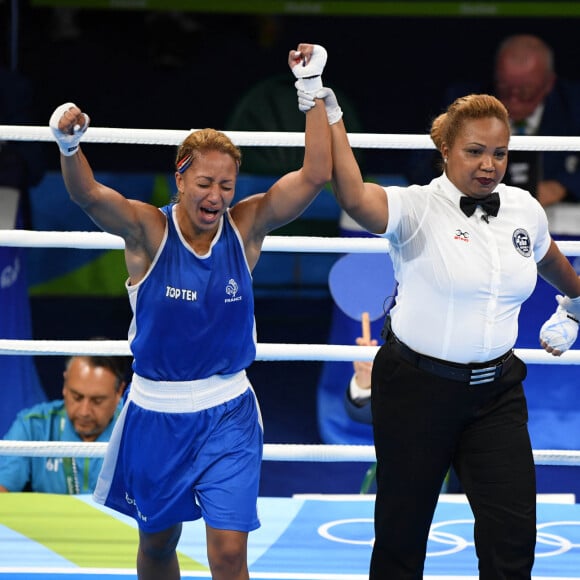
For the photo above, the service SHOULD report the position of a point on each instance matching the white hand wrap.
(333, 110)
(68, 142)
(309, 76)
(305, 100)
(561, 329)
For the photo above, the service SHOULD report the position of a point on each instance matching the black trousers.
(423, 424)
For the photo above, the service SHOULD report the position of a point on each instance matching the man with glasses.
(524, 77)
(539, 103)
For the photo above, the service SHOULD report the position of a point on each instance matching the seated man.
(92, 391)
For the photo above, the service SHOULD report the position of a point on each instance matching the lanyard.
(69, 467)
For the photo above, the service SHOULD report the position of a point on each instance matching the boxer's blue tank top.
(193, 316)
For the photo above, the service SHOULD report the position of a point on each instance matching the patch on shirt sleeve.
(522, 242)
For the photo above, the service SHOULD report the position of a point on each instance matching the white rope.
(264, 351)
(272, 452)
(101, 240)
(312, 244)
(113, 135)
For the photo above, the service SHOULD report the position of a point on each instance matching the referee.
(446, 386)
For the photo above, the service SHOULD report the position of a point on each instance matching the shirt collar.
(448, 190)
(533, 121)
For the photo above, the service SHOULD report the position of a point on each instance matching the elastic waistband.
(473, 374)
(186, 396)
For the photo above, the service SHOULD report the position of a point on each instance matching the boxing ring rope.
(272, 452)
(117, 136)
(104, 241)
(265, 352)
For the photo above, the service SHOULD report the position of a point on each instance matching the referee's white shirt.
(462, 280)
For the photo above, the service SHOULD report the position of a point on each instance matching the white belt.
(186, 396)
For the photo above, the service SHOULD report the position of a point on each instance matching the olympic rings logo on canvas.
(445, 540)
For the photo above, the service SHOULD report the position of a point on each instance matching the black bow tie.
(489, 204)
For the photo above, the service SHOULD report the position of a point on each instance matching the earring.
(444, 159)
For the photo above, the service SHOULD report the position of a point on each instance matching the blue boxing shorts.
(185, 450)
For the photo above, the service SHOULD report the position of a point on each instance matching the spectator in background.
(21, 167)
(539, 102)
(92, 391)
